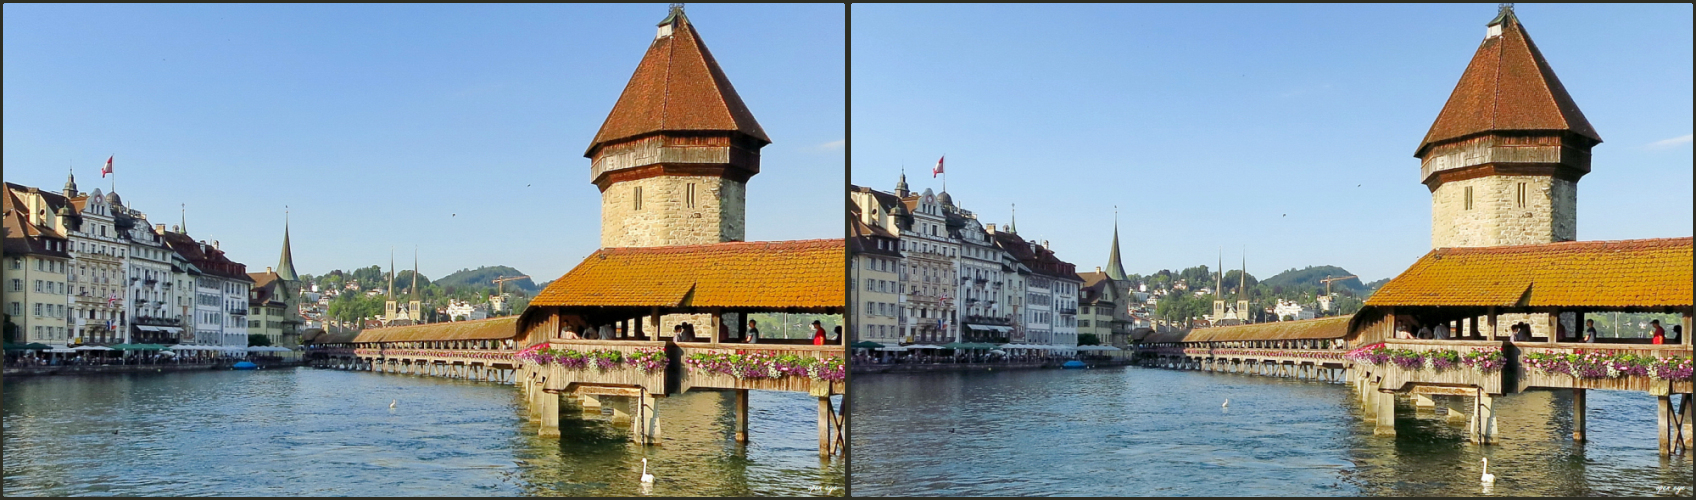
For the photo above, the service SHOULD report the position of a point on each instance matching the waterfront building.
(984, 316)
(1105, 300)
(274, 301)
(100, 271)
(1050, 292)
(874, 271)
(36, 295)
(928, 279)
(1499, 178)
(220, 287)
(153, 318)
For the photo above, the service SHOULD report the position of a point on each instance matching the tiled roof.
(678, 87)
(759, 275)
(1628, 273)
(504, 327)
(1507, 86)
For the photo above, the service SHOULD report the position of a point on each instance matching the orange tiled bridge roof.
(800, 274)
(1609, 274)
(1335, 327)
(504, 327)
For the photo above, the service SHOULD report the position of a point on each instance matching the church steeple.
(1013, 220)
(901, 186)
(71, 184)
(1115, 270)
(391, 293)
(285, 264)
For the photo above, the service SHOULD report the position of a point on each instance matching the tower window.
(689, 195)
(637, 197)
(1521, 195)
(1469, 197)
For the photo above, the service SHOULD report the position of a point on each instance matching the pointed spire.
(285, 264)
(184, 215)
(1508, 86)
(415, 272)
(1013, 222)
(71, 184)
(901, 186)
(391, 294)
(1115, 269)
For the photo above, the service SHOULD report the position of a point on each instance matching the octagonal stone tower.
(674, 156)
(1504, 157)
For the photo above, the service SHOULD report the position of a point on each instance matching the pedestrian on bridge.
(1589, 331)
(753, 333)
(1660, 334)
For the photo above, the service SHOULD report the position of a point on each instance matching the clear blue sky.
(375, 123)
(1229, 125)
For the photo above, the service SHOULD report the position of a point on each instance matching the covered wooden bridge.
(1477, 294)
(626, 304)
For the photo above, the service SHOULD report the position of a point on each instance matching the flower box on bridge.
(772, 367)
(1623, 367)
(593, 364)
(1399, 374)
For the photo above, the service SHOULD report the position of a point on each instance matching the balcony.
(237, 312)
(1071, 310)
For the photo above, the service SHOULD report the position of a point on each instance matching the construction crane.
(1328, 279)
(500, 283)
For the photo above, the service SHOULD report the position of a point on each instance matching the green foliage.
(258, 340)
(483, 277)
(1088, 339)
(1308, 278)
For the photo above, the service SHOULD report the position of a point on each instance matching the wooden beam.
(601, 390)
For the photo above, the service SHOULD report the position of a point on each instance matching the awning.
(90, 348)
(170, 329)
(866, 344)
(893, 348)
(1097, 348)
(996, 328)
(923, 346)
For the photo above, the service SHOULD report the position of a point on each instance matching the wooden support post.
(1685, 405)
(620, 414)
(536, 402)
(655, 317)
(550, 414)
(1491, 318)
(741, 415)
(1424, 402)
(645, 427)
(1386, 421)
(1554, 325)
(591, 403)
(1663, 423)
(717, 319)
(1482, 429)
(824, 426)
(1578, 410)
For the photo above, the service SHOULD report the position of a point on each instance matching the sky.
(455, 129)
(1283, 131)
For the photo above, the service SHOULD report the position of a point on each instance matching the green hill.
(483, 277)
(1309, 277)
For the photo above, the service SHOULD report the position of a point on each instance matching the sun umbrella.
(866, 344)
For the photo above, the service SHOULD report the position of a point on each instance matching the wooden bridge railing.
(702, 377)
(559, 377)
(1533, 376)
(486, 356)
(1332, 356)
(1396, 377)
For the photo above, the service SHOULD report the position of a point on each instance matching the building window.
(1521, 195)
(1469, 197)
(17, 285)
(689, 195)
(638, 197)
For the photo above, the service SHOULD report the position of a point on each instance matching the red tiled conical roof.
(1508, 86)
(677, 87)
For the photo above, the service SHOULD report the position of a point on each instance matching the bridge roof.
(797, 274)
(1334, 327)
(504, 327)
(1600, 274)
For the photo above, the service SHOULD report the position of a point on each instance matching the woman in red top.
(1660, 335)
(818, 333)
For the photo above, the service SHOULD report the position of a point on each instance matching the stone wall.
(666, 219)
(1550, 212)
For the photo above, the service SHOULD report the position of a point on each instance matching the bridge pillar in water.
(591, 403)
(1578, 411)
(741, 415)
(1424, 402)
(550, 414)
(645, 427)
(1482, 429)
(1386, 421)
(619, 414)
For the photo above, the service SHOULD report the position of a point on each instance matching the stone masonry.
(665, 217)
(1497, 218)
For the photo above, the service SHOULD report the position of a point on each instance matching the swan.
(1227, 403)
(646, 477)
(393, 403)
(1487, 478)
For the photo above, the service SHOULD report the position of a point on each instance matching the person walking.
(818, 333)
(1589, 331)
(1660, 336)
(753, 333)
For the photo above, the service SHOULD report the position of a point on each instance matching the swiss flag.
(108, 168)
(933, 171)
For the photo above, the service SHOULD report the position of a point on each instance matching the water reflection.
(1136, 431)
(322, 432)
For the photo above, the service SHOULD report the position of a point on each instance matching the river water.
(305, 431)
(1143, 431)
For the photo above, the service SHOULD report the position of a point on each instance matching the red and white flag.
(108, 168)
(933, 171)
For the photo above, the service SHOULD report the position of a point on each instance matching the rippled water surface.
(1141, 431)
(319, 432)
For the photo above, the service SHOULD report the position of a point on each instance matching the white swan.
(646, 477)
(1227, 403)
(1487, 478)
(393, 403)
